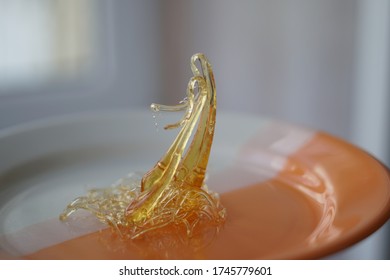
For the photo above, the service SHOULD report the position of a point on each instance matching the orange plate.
(290, 193)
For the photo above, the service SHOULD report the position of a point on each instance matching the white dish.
(46, 164)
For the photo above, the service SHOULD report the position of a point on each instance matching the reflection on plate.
(290, 192)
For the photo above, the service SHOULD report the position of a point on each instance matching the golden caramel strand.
(173, 191)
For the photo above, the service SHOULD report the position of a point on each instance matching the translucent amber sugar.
(173, 192)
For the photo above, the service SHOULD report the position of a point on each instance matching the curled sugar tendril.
(173, 192)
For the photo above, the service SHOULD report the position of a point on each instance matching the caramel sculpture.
(173, 192)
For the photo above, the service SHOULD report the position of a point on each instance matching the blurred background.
(322, 64)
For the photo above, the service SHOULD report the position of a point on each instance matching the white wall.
(286, 59)
(126, 74)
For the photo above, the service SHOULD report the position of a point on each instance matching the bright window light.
(44, 41)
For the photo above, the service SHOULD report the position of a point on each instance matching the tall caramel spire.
(173, 191)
